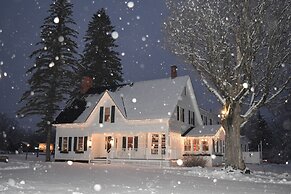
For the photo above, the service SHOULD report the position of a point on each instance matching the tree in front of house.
(53, 74)
(242, 52)
(99, 60)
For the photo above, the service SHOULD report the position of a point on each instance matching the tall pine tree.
(99, 60)
(53, 73)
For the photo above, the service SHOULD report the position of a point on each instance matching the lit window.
(108, 143)
(205, 146)
(80, 144)
(187, 145)
(107, 114)
(196, 145)
(155, 144)
(130, 143)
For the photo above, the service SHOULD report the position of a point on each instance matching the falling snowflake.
(180, 162)
(51, 64)
(70, 162)
(130, 4)
(56, 20)
(213, 156)
(143, 38)
(114, 35)
(61, 39)
(97, 187)
(122, 54)
(245, 85)
(134, 100)
(1, 62)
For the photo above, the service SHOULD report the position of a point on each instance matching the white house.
(147, 120)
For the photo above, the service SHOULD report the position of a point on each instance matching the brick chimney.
(86, 84)
(173, 71)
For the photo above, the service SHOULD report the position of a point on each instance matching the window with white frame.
(130, 143)
(80, 144)
(196, 145)
(205, 146)
(65, 144)
(187, 145)
(107, 114)
(155, 144)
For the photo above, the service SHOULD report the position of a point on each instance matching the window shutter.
(101, 114)
(60, 143)
(124, 142)
(75, 143)
(178, 113)
(112, 114)
(135, 142)
(70, 144)
(193, 119)
(85, 143)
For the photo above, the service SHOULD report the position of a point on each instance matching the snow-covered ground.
(36, 176)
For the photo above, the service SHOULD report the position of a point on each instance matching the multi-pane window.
(205, 146)
(130, 143)
(196, 145)
(107, 114)
(187, 145)
(163, 144)
(155, 144)
(65, 144)
(80, 144)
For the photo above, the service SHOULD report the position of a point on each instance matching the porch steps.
(143, 162)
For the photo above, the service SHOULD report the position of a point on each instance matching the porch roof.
(205, 130)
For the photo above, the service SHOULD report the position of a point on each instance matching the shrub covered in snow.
(190, 161)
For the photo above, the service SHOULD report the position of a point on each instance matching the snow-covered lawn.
(36, 176)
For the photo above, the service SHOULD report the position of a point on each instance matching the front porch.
(130, 146)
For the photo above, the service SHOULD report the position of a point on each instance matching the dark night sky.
(140, 38)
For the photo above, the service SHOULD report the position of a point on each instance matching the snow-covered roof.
(151, 99)
(204, 130)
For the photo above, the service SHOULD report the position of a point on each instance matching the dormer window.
(108, 115)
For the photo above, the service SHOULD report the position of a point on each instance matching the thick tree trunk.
(231, 123)
(48, 143)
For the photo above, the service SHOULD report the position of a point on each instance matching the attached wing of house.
(144, 120)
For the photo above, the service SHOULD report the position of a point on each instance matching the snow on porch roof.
(205, 130)
(151, 99)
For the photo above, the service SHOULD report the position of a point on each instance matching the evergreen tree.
(53, 73)
(100, 61)
(261, 134)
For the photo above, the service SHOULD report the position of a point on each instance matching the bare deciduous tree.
(241, 49)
